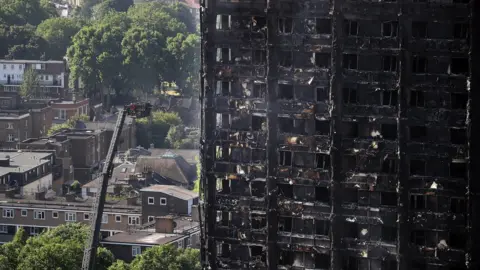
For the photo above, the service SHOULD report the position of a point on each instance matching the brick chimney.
(164, 224)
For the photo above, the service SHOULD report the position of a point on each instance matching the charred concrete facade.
(340, 134)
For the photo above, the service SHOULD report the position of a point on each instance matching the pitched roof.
(171, 166)
(188, 154)
(174, 191)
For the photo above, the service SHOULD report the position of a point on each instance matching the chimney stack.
(164, 224)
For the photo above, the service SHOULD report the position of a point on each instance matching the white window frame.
(39, 214)
(54, 214)
(86, 216)
(71, 216)
(11, 138)
(118, 218)
(151, 200)
(136, 250)
(105, 218)
(180, 244)
(151, 218)
(35, 230)
(8, 213)
(3, 229)
(163, 199)
(9, 125)
(62, 114)
(24, 212)
(133, 220)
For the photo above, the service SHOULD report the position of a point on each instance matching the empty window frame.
(417, 98)
(459, 66)
(223, 88)
(458, 170)
(389, 165)
(459, 101)
(322, 194)
(286, 58)
(457, 240)
(323, 26)
(457, 205)
(285, 124)
(322, 94)
(458, 135)
(285, 25)
(349, 96)
(322, 161)
(224, 22)
(389, 29)
(224, 55)
(460, 30)
(259, 57)
(322, 60)
(259, 90)
(419, 64)
(322, 227)
(418, 133)
(419, 29)
(418, 202)
(389, 63)
(389, 131)
(388, 198)
(350, 229)
(417, 167)
(351, 28)
(389, 234)
(285, 158)
(350, 61)
(351, 195)
(419, 238)
(390, 98)
(322, 127)
(285, 91)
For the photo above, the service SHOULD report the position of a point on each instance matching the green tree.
(165, 257)
(58, 33)
(21, 12)
(161, 123)
(103, 8)
(30, 84)
(175, 136)
(70, 123)
(59, 248)
(196, 186)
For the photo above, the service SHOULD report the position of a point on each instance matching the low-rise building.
(25, 172)
(127, 136)
(52, 76)
(166, 199)
(66, 109)
(181, 232)
(14, 128)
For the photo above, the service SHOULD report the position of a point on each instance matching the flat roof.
(31, 61)
(142, 238)
(4, 116)
(23, 161)
(174, 191)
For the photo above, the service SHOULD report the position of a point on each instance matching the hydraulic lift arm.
(90, 253)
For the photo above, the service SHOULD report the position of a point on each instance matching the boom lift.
(137, 110)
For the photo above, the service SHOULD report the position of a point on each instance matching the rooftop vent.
(5, 162)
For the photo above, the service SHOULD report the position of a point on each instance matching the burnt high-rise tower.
(340, 134)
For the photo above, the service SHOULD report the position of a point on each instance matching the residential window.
(151, 200)
(118, 218)
(285, 25)
(35, 230)
(286, 59)
(180, 244)
(26, 134)
(8, 213)
(259, 57)
(62, 114)
(54, 214)
(351, 28)
(86, 216)
(458, 135)
(419, 64)
(459, 66)
(105, 218)
(9, 125)
(322, 60)
(70, 216)
(418, 202)
(390, 29)
(350, 61)
(151, 218)
(389, 98)
(163, 201)
(133, 220)
(390, 63)
(417, 99)
(349, 96)
(24, 212)
(136, 250)
(223, 22)
(417, 167)
(39, 215)
(223, 55)
(419, 29)
(419, 238)
(3, 229)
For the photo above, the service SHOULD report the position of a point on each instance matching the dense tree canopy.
(59, 248)
(58, 33)
(165, 257)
